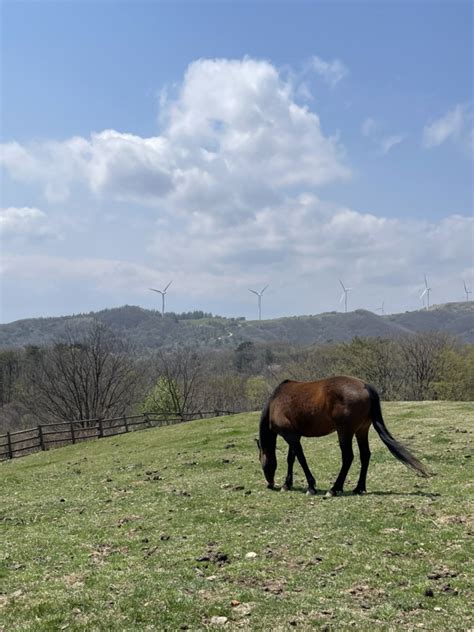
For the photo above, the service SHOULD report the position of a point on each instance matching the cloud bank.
(234, 127)
(233, 183)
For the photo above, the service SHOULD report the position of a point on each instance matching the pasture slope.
(150, 531)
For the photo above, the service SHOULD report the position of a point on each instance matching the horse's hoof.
(331, 493)
(359, 492)
(270, 486)
(285, 488)
(311, 492)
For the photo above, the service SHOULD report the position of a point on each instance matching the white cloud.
(234, 127)
(387, 143)
(300, 246)
(24, 222)
(307, 243)
(373, 130)
(446, 127)
(331, 71)
(106, 275)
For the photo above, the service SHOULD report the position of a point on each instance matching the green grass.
(107, 535)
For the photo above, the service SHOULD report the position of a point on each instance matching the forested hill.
(147, 329)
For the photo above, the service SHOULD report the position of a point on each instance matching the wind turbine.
(467, 291)
(381, 308)
(162, 292)
(426, 291)
(344, 294)
(259, 294)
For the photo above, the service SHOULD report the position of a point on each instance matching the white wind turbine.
(162, 292)
(381, 308)
(259, 294)
(426, 291)
(344, 294)
(467, 291)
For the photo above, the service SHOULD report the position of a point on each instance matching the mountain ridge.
(147, 329)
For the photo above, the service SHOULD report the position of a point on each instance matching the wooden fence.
(44, 436)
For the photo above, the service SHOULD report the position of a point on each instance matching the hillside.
(151, 531)
(146, 329)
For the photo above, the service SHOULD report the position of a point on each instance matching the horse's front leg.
(289, 474)
(309, 476)
(294, 442)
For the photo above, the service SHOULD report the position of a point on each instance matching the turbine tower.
(259, 294)
(162, 292)
(344, 294)
(426, 291)
(381, 308)
(467, 291)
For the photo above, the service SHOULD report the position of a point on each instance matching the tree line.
(94, 375)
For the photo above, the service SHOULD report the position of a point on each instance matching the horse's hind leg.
(345, 443)
(362, 437)
(289, 475)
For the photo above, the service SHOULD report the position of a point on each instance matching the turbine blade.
(342, 285)
(167, 286)
(342, 297)
(264, 289)
(153, 289)
(423, 293)
(253, 292)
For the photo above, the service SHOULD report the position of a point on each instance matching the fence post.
(73, 436)
(125, 423)
(41, 438)
(147, 420)
(100, 428)
(9, 446)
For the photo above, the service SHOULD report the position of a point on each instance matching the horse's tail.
(396, 448)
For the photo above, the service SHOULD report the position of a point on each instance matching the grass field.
(151, 531)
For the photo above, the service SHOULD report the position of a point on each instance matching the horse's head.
(268, 462)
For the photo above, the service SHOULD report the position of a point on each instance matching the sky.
(227, 146)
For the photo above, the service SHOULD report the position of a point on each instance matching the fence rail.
(61, 433)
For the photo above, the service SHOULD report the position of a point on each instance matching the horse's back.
(315, 409)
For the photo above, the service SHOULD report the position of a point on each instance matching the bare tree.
(376, 360)
(81, 377)
(180, 375)
(10, 369)
(423, 357)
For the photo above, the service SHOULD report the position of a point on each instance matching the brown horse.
(314, 409)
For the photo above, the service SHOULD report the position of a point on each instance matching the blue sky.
(340, 147)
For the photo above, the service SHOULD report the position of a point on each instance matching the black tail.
(397, 449)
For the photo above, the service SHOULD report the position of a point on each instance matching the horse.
(341, 404)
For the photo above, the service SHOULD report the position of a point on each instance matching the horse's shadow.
(349, 494)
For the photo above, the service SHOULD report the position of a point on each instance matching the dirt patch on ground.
(442, 573)
(271, 586)
(465, 520)
(367, 596)
(100, 554)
